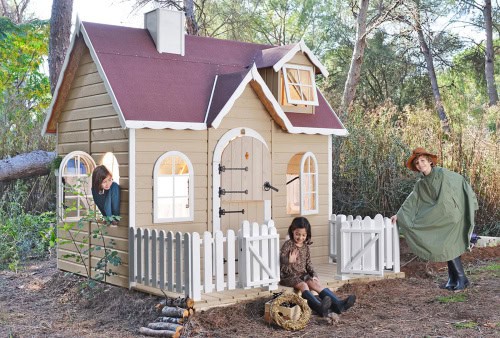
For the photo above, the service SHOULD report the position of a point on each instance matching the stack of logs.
(174, 313)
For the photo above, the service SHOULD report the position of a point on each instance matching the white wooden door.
(244, 168)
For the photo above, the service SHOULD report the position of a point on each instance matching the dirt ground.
(41, 301)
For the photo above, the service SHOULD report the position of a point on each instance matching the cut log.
(36, 163)
(185, 303)
(177, 312)
(158, 333)
(165, 326)
(170, 320)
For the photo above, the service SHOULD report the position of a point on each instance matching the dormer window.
(299, 85)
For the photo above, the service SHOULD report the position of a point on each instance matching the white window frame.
(287, 84)
(77, 155)
(156, 190)
(303, 188)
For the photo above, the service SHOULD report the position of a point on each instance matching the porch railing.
(192, 264)
(363, 245)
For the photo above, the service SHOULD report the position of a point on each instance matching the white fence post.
(207, 259)
(231, 258)
(196, 268)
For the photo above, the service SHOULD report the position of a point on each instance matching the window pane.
(295, 92)
(292, 75)
(165, 208)
(181, 207)
(181, 185)
(307, 92)
(165, 186)
(70, 168)
(166, 166)
(305, 77)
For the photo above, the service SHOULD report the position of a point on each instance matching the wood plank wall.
(89, 123)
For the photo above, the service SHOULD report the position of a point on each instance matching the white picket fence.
(176, 262)
(367, 246)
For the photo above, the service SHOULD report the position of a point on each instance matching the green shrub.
(24, 236)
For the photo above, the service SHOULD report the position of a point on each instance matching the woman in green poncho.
(437, 218)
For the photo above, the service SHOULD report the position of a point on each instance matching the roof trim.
(211, 97)
(301, 46)
(61, 77)
(104, 78)
(253, 74)
(134, 124)
(321, 131)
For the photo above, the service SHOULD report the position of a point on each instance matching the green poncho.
(437, 218)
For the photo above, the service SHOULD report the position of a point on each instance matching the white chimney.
(166, 27)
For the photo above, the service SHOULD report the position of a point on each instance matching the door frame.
(219, 148)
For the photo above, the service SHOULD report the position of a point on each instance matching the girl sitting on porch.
(298, 272)
(106, 194)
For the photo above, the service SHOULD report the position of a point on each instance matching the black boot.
(462, 281)
(452, 277)
(338, 305)
(320, 307)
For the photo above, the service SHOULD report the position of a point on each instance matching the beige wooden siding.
(89, 123)
(150, 146)
(284, 147)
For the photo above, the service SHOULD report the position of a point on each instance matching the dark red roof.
(164, 87)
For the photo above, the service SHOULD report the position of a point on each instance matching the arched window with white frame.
(74, 186)
(302, 184)
(173, 188)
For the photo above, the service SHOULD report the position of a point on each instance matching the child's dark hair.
(98, 175)
(300, 223)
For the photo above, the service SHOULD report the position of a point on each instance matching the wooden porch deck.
(326, 274)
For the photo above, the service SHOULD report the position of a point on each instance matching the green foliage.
(24, 87)
(23, 236)
(87, 237)
(453, 298)
(466, 325)
(369, 175)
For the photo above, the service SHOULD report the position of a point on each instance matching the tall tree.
(487, 24)
(419, 16)
(60, 31)
(363, 28)
(15, 10)
(188, 6)
(490, 54)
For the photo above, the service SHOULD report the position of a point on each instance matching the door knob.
(268, 186)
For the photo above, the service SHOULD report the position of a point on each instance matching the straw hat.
(417, 152)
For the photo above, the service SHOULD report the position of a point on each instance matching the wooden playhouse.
(200, 134)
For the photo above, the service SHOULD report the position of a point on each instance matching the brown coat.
(300, 271)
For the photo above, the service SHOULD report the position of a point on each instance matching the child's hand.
(293, 256)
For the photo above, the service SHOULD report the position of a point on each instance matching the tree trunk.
(36, 163)
(165, 326)
(60, 31)
(356, 61)
(176, 312)
(445, 125)
(158, 333)
(489, 55)
(191, 24)
(185, 302)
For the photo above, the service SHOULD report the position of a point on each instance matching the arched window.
(302, 184)
(75, 183)
(173, 188)
(111, 163)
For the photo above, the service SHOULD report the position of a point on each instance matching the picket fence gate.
(363, 245)
(176, 262)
